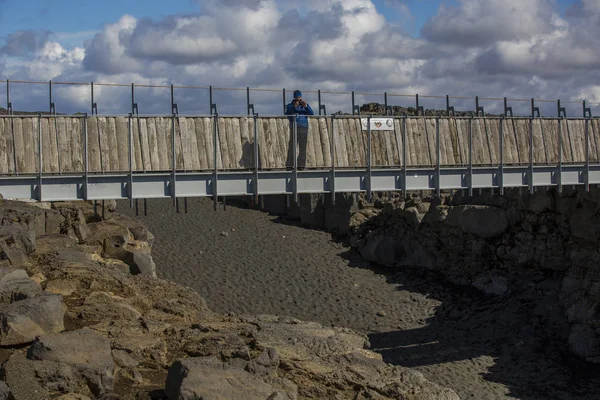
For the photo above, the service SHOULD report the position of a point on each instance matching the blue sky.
(84, 17)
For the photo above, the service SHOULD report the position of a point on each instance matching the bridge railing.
(418, 152)
(64, 144)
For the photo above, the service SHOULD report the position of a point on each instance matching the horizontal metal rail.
(261, 116)
(251, 183)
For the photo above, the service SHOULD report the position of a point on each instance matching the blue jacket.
(300, 110)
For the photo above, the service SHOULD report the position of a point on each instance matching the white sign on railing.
(378, 124)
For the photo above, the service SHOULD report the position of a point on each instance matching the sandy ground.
(246, 261)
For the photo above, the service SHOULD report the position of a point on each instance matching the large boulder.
(16, 244)
(22, 321)
(16, 285)
(87, 352)
(208, 378)
(19, 374)
(483, 221)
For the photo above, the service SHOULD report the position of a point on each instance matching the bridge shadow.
(512, 339)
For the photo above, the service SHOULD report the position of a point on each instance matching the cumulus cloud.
(476, 47)
(24, 42)
(483, 22)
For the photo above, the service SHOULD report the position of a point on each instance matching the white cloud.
(479, 47)
(483, 22)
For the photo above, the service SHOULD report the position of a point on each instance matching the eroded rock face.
(496, 243)
(85, 327)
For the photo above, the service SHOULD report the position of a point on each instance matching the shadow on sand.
(528, 348)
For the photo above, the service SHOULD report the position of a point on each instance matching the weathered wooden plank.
(3, 147)
(163, 127)
(388, 137)
(539, 152)
(349, 138)
(47, 160)
(229, 139)
(271, 146)
(429, 125)
(309, 138)
(184, 147)
(93, 146)
(122, 136)
(398, 142)
(247, 142)
(286, 147)
(445, 142)
(314, 133)
(551, 136)
(358, 145)
(325, 131)
(411, 133)
(112, 144)
(29, 142)
(10, 145)
(179, 153)
(145, 144)
(72, 127)
(478, 143)
(50, 144)
(211, 140)
(577, 129)
(493, 135)
(454, 145)
(105, 154)
(153, 146)
(462, 133)
(595, 139)
(138, 165)
(200, 144)
(343, 136)
(19, 144)
(65, 131)
(239, 125)
(76, 139)
(522, 138)
(511, 153)
(378, 156)
(191, 144)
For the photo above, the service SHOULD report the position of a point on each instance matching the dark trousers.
(302, 137)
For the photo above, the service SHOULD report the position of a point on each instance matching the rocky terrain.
(84, 317)
(544, 244)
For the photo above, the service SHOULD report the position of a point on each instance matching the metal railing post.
(438, 182)
(295, 149)
(40, 157)
(284, 103)
(85, 159)
(501, 172)
(332, 151)
(587, 155)
(130, 144)
(256, 158)
(560, 155)
(470, 157)
(216, 168)
(531, 187)
(404, 166)
(9, 107)
(173, 163)
(369, 185)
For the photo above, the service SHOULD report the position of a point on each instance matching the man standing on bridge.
(298, 107)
